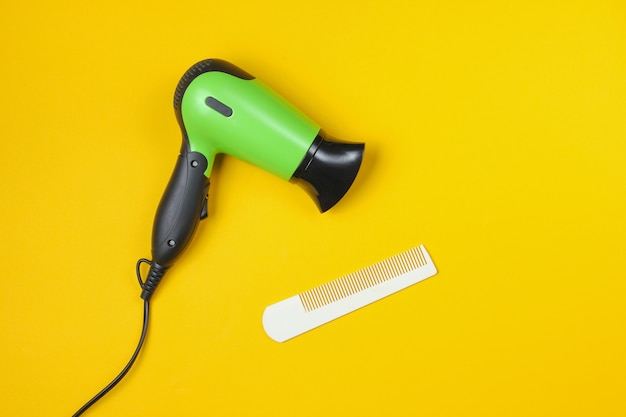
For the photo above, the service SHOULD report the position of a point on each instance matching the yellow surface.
(496, 136)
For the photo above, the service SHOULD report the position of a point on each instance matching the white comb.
(298, 314)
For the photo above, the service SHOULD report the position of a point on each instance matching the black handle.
(182, 206)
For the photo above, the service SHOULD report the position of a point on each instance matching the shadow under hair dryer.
(223, 109)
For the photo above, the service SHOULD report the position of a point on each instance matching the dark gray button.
(218, 106)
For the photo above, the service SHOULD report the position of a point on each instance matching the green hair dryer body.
(223, 109)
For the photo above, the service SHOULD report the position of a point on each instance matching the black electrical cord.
(144, 330)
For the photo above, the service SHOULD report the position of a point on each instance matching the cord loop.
(137, 269)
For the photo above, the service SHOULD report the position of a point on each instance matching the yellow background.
(495, 136)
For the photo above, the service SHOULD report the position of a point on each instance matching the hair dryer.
(223, 109)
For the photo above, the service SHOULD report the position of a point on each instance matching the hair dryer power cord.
(144, 330)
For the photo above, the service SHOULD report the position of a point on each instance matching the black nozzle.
(329, 169)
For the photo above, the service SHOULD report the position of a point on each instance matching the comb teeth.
(298, 314)
(362, 279)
